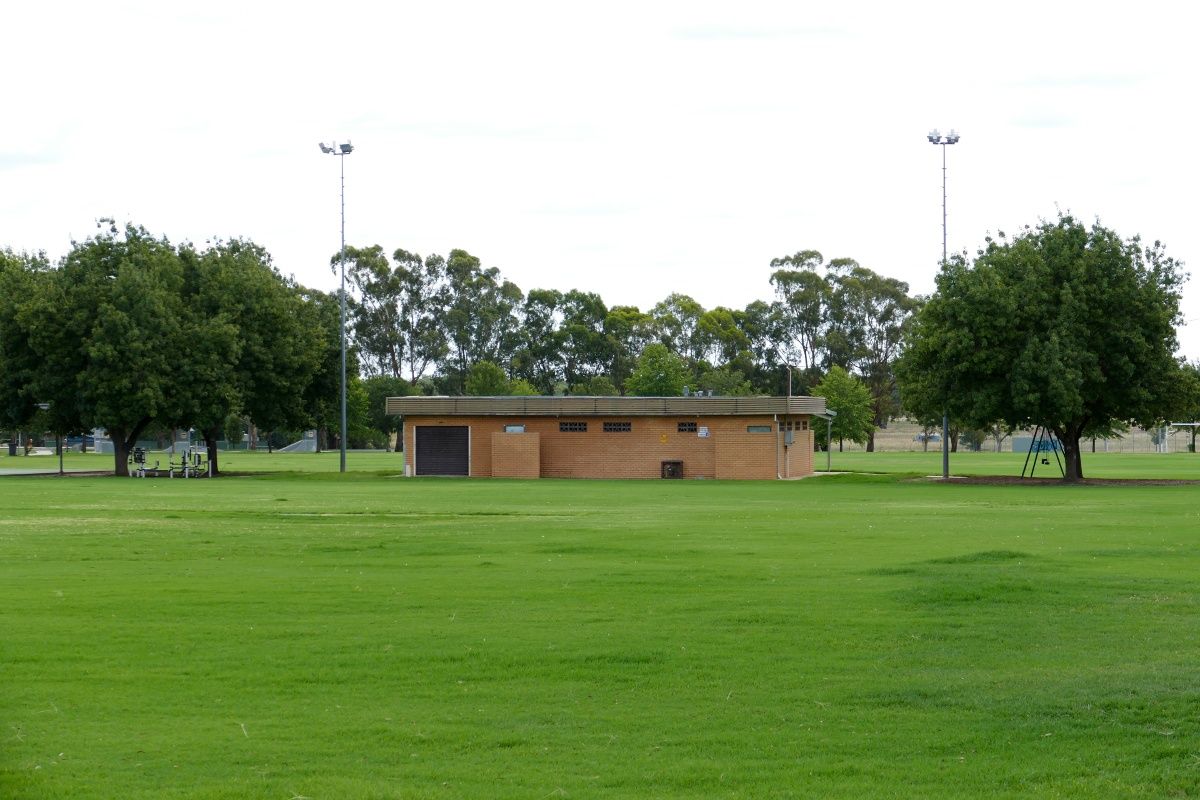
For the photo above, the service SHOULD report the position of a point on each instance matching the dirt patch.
(1015, 480)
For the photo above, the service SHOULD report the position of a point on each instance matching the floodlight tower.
(342, 149)
(935, 137)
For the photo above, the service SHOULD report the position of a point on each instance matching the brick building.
(609, 437)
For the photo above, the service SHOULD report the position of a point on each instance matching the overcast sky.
(631, 149)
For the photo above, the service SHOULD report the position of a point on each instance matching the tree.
(869, 315)
(374, 313)
(720, 336)
(538, 359)
(21, 280)
(596, 386)
(803, 297)
(659, 373)
(675, 321)
(628, 331)
(1185, 406)
(480, 318)
(254, 346)
(320, 403)
(725, 382)
(378, 389)
(112, 330)
(586, 350)
(851, 399)
(1063, 326)
(397, 312)
(486, 379)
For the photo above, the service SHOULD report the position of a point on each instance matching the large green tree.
(396, 311)
(538, 358)
(659, 373)
(480, 318)
(1066, 326)
(253, 346)
(21, 279)
(869, 313)
(111, 332)
(851, 399)
(803, 308)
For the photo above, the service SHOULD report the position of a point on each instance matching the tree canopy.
(659, 373)
(851, 400)
(1064, 326)
(129, 330)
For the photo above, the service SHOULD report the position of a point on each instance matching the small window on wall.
(514, 428)
(618, 427)
(687, 427)
(758, 429)
(572, 427)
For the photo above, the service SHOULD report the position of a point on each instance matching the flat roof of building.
(581, 406)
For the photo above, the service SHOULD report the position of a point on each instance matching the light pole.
(939, 139)
(342, 150)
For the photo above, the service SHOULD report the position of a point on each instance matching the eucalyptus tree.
(763, 324)
(869, 317)
(539, 355)
(628, 330)
(803, 296)
(375, 315)
(587, 350)
(480, 316)
(676, 319)
(721, 337)
(397, 310)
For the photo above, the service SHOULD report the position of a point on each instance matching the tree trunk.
(871, 442)
(1072, 452)
(210, 446)
(123, 444)
(953, 440)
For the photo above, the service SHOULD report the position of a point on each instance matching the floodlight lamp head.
(952, 137)
(325, 148)
(934, 137)
(347, 148)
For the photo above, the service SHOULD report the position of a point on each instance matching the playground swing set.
(1042, 443)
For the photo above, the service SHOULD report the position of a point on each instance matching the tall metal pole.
(342, 259)
(945, 416)
(951, 138)
(342, 150)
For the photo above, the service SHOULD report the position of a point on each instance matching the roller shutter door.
(443, 450)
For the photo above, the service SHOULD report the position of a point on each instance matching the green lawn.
(366, 636)
(1097, 465)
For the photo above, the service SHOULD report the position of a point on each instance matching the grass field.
(363, 636)
(1098, 465)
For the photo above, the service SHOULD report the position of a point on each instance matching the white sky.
(631, 149)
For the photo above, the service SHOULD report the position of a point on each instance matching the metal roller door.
(443, 449)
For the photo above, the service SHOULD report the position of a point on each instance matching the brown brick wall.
(729, 451)
(516, 455)
(796, 460)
